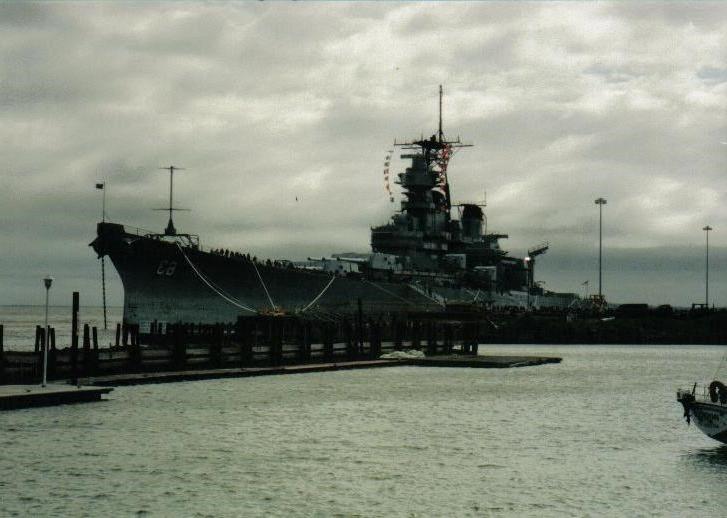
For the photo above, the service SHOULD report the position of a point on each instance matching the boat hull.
(710, 418)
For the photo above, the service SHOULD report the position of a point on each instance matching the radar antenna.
(170, 230)
(437, 151)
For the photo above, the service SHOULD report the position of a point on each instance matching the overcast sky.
(265, 102)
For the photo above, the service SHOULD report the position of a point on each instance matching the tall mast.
(437, 150)
(441, 133)
(170, 230)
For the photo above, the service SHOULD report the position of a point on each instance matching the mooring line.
(264, 287)
(389, 292)
(218, 288)
(333, 278)
(209, 284)
(421, 292)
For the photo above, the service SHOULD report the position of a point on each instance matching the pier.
(479, 362)
(286, 344)
(255, 346)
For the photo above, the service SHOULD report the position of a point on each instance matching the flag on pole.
(585, 284)
(99, 186)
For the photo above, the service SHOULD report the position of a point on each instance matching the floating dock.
(257, 346)
(14, 397)
(481, 362)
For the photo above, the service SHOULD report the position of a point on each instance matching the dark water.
(599, 435)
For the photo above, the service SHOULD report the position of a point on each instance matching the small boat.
(707, 406)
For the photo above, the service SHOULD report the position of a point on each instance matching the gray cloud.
(263, 102)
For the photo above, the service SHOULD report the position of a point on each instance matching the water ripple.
(587, 436)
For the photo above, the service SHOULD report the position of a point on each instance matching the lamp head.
(48, 281)
(600, 201)
(707, 228)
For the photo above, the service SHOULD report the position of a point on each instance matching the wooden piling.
(86, 350)
(447, 339)
(431, 338)
(38, 331)
(2, 357)
(275, 342)
(359, 326)
(397, 331)
(306, 330)
(374, 339)
(476, 338)
(134, 355)
(52, 353)
(42, 340)
(348, 337)
(86, 338)
(179, 351)
(74, 339)
(328, 332)
(124, 334)
(118, 334)
(243, 332)
(299, 340)
(151, 337)
(214, 346)
(415, 336)
(94, 350)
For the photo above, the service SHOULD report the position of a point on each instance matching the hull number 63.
(167, 268)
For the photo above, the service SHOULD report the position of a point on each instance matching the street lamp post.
(47, 282)
(706, 267)
(600, 202)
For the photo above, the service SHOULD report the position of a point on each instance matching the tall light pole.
(47, 282)
(706, 267)
(600, 202)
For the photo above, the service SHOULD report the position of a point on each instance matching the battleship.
(423, 260)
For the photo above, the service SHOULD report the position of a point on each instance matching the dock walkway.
(481, 362)
(13, 397)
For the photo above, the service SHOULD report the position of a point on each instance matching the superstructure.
(424, 259)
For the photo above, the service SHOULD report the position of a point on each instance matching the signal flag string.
(387, 185)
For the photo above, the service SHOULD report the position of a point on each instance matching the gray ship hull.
(166, 282)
